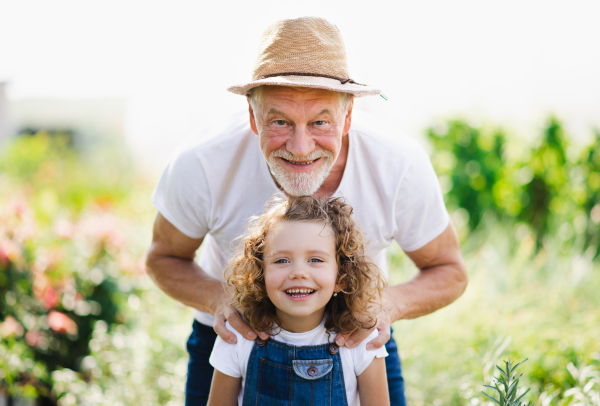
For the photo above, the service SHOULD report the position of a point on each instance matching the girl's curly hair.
(362, 281)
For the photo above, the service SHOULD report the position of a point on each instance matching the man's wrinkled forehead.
(272, 99)
(272, 111)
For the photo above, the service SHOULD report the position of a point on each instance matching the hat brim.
(307, 81)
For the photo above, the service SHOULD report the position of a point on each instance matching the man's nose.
(300, 142)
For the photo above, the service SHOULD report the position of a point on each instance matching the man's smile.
(300, 163)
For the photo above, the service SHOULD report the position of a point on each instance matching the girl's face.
(300, 272)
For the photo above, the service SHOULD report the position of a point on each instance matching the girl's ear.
(340, 285)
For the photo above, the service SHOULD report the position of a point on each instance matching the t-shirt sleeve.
(420, 211)
(182, 194)
(363, 357)
(225, 358)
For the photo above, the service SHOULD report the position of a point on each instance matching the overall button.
(333, 349)
(260, 342)
(312, 369)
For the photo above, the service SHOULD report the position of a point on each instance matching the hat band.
(342, 80)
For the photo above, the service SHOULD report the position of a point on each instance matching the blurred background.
(94, 97)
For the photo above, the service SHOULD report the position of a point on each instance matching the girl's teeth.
(301, 291)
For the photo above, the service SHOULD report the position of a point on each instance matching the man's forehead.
(274, 111)
(297, 92)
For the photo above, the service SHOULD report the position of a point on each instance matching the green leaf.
(515, 367)
(513, 391)
(491, 398)
(523, 394)
(502, 372)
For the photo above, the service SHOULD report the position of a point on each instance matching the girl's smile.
(299, 293)
(300, 272)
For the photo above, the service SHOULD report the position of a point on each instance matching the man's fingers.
(357, 337)
(236, 321)
(342, 339)
(381, 339)
(222, 331)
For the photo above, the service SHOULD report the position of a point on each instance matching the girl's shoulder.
(360, 357)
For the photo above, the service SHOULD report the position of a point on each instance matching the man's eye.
(279, 122)
(320, 122)
(282, 261)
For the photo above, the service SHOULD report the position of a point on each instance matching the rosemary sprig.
(510, 386)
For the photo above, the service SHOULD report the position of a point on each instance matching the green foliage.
(507, 395)
(56, 177)
(548, 186)
(144, 363)
(73, 229)
(64, 261)
(521, 301)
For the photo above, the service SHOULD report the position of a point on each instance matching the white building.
(89, 120)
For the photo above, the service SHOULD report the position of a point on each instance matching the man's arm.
(170, 263)
(442, 278)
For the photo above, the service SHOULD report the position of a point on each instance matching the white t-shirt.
(232, 359)
(210, 189)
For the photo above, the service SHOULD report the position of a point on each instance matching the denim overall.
(285, 375)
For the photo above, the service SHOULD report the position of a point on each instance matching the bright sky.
(507, 62)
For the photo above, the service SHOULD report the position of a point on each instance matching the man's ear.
(252, 120)
(348, 119)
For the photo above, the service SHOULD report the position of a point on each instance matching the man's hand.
(384, 321)
(224, 313)
(171, 265)
(442, 278)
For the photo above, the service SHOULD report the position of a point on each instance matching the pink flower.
(10, 326)
(10, 251)
(63, 228)
(61, 323)
(50, 298)
(32, 338)
(103, 227)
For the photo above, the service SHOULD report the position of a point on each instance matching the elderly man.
(300, 139)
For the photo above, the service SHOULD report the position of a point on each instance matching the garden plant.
(82, 324)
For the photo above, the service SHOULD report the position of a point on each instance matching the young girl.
(302, 276)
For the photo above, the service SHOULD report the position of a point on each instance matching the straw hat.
(305, 52)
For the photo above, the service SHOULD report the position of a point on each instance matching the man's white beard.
(300, 184)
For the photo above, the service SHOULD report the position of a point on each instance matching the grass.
(542, 306)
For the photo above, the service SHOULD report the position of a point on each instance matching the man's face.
(300, 132)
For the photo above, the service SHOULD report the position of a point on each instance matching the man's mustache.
(288, 156)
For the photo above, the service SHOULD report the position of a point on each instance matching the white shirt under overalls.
(232, 359)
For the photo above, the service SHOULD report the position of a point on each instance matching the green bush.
(65, 261)
(549, 186)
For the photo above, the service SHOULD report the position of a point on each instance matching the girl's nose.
(298, 272)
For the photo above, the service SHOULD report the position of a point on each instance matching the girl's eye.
(315, 260)
(282, 261)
